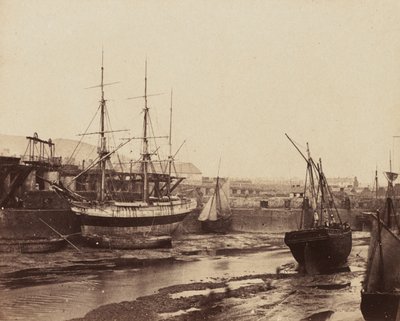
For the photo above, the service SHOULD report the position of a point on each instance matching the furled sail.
(391, 177)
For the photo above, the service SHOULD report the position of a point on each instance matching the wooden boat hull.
(320, 250)
(137, 225)
(380, 306)
(380, 299)
(40, 245)
(221, 226)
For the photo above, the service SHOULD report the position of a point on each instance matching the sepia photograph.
(194, 160)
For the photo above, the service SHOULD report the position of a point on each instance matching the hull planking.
(320, 250)
(132, 227)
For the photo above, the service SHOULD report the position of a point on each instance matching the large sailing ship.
(380, 295)
(323, 242)
(148, 222)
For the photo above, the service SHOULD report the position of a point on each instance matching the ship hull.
(24, 224)
(132, 227)
(380, 298)
(220, 226)
(380, 306)
(320, 250)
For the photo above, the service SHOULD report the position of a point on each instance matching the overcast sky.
(243, 73)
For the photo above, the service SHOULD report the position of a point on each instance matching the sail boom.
(104, 132)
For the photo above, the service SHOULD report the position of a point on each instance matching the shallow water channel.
(66, 300)
(68, 295)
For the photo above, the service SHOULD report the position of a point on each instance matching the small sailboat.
(323, 242)
(134, 223)
(216, 216)
(380, 295)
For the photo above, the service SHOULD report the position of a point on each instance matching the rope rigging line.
(113, 138)
(155, 143)
(80, 141)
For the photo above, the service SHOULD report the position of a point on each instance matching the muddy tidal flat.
(237, 276)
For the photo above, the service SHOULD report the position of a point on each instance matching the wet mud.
(230, 277)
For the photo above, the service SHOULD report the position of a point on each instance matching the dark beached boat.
(39, 245)
(320, 249)
(323, 242)
(380, 295)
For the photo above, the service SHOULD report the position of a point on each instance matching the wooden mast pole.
(312, 183)
(145, 142)
(102, 150)
(170, 149)
(376, 182)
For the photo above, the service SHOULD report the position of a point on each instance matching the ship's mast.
(376, 183)
(310, 171)
(322, 187)
(170, 149)
(103, 148)
(146, 155)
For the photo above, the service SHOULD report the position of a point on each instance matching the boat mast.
(312, 182)
(170, 149)
(103, 148)
(322, 186)
(217, 192)
(310, 171)
(376, 182)
(146, 155)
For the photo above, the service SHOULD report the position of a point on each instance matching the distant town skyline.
(243, 74)
(17, 146)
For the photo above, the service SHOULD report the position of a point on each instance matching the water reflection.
(63, 301)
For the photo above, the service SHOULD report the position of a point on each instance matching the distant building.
(296, 191)
(188, 170)
(341, 181)
(355, 182)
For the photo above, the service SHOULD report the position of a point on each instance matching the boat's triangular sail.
(217, 206)
(209, 212)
